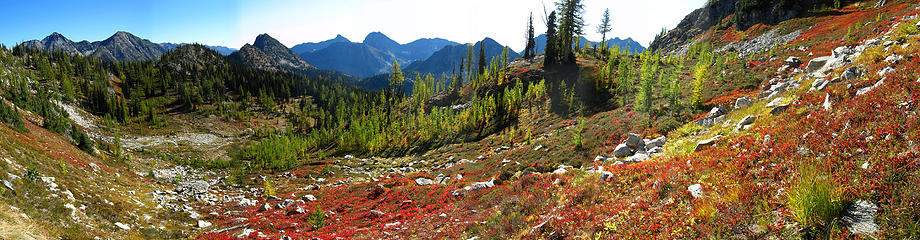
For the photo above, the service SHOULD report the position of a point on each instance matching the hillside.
(752, 119)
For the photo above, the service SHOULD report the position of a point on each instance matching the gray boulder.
(424, 181)
(749, 119)
(817, 64)
(634, 140)
(860, 217)
(743, 102)
(850, 74)
(706, 143)
(779, 109)
(192, 189)
(656, 143)
(621, 151)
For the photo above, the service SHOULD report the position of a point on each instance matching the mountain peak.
(380, 41)
(55, 36)
(263, 40)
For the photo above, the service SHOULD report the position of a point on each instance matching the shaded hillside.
(448, 59)
(356, 59)
(374, 56)
(633, 46)
(310, 47)
(220, 49)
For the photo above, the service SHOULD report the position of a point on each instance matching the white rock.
(123, 226)
(827, 102)
(865, 90)
(424, 181)
(696, 190)
(309, 197)
(203, 224)
(776, 102)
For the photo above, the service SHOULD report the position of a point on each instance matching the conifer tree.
(604, 28)
(552, 55)
(530, 50)
(482, 57)
(570, 27)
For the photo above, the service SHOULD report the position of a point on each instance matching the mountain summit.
(122, 46)
(269, 54)
(125, 46)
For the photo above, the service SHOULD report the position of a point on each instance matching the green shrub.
(317, 218)
(815, 199)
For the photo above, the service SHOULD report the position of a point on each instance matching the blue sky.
(233, 23)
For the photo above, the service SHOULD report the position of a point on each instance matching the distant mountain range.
(220, 49)
(444, 60)
(122, 46)
(372, 57)
(309, 47)
(634, 47)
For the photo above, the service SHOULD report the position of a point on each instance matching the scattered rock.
(779, 109)
(245, 233)
(192, 189)
(793, 62)
(696, 190)
(123, 226)
(710, 118)
(865, 90)
(480, 185)
(743, 102)
(538, 148)
(880, 3)
(621, 151)
(309, 197)
(203, 224)
(377, 213)
(776, 102)
(885, 71)
(894, 59)
(265, 207)
(850, 74)
(297, 210)
(424, 181)
(287, 203)
(656, 143)
(827, 102)
(859, 217)
(817, 64)
(246, 203)
(633, 140)
(706, 143)
(638, 157)
(749, 119)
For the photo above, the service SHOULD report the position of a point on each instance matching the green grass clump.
(815, 199)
